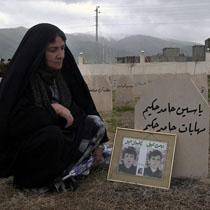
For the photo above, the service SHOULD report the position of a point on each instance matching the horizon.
(119, 36)
(186, 20)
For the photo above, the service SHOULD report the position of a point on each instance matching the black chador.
(35, 146)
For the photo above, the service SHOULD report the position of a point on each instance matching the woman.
(48, 121)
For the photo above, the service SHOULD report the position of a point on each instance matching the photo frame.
(142, 157)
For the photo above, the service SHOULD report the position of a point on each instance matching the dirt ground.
(95, 192)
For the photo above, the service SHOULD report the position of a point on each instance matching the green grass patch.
(113, 96)
(114, 119)
(113, 124)
(124, 108)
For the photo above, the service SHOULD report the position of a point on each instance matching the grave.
(177, 106)
(101, 91)
(124, 91)
(140, 80)
(113, 79)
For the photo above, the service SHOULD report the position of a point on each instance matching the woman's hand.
(63, 112)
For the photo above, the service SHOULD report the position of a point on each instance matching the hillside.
(108, 48)
(9, 40)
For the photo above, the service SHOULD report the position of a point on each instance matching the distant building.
(207, 43)
(198, 53)
(128, 59)
(171, 52)
(170, 55)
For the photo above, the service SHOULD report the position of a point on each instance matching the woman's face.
(54, 54)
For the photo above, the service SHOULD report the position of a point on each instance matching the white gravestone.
(177, 106)
(201, 81)
(113, 79)
(141, 80)
(101, 91)
(124, 94)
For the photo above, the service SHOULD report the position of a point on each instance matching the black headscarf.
(53, 79)
(23, 65)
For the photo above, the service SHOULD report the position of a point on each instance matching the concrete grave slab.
(124, 92)
(113, 79)
(101, 91)
(177, 106)
(201, 81)
(140, 80)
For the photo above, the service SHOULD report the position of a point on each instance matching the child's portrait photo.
(142, 158)
(154, 164)
(128, 161)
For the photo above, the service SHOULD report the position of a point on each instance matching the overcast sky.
(187, 20)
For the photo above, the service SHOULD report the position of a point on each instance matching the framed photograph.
(142, 157)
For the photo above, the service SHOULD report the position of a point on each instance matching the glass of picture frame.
(142, 157)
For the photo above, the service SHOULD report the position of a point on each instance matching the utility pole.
(97, 12)
(103, 51)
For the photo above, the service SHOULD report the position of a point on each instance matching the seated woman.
(48, 121)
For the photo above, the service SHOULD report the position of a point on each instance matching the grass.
(114, 119)
(126, 108)
(121, 116)
(95, 193)
(113, 124)
(117, 117)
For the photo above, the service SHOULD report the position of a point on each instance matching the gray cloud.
(175, 19)
(77, 1)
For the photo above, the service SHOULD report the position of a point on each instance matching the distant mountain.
(108, 48)
(9, 40)
(151, 45)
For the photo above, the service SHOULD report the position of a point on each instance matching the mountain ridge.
(108, 48)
